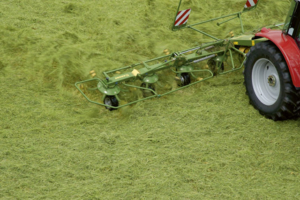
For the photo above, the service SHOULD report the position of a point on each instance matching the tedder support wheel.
(111, 101)
(268, 82)
(185, 79)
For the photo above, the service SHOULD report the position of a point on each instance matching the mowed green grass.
(204, 142)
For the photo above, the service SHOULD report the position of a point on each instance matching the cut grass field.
(204, 142)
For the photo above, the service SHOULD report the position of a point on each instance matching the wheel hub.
(107, 101)
(272, 80)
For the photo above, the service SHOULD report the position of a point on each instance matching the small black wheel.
(268, 82)
(147, 93)
(185, 79)
(111, 101)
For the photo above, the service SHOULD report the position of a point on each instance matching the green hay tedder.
(271, 59)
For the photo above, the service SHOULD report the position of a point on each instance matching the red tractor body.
(289, 49)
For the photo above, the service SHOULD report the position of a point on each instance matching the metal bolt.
(272, 80)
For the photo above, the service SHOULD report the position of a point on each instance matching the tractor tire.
(268, 82)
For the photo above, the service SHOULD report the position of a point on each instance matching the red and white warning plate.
(182, 17)
(250, 3)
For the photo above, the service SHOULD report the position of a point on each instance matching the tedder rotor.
(265, 79)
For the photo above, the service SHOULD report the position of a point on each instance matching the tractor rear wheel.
(268, 82)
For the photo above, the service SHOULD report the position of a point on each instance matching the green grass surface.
(204, 142)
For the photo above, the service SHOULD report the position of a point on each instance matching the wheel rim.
(107, 101)
(182, 80)
(265, 81)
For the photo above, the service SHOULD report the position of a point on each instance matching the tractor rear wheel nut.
(272, 80)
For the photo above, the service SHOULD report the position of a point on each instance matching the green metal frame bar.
(214, 19)
(203, 32)
(241, 22)
(236, 15)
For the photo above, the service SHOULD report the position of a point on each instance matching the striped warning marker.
(182, 17)
(250, 3)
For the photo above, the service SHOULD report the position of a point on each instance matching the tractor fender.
(289, 49)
